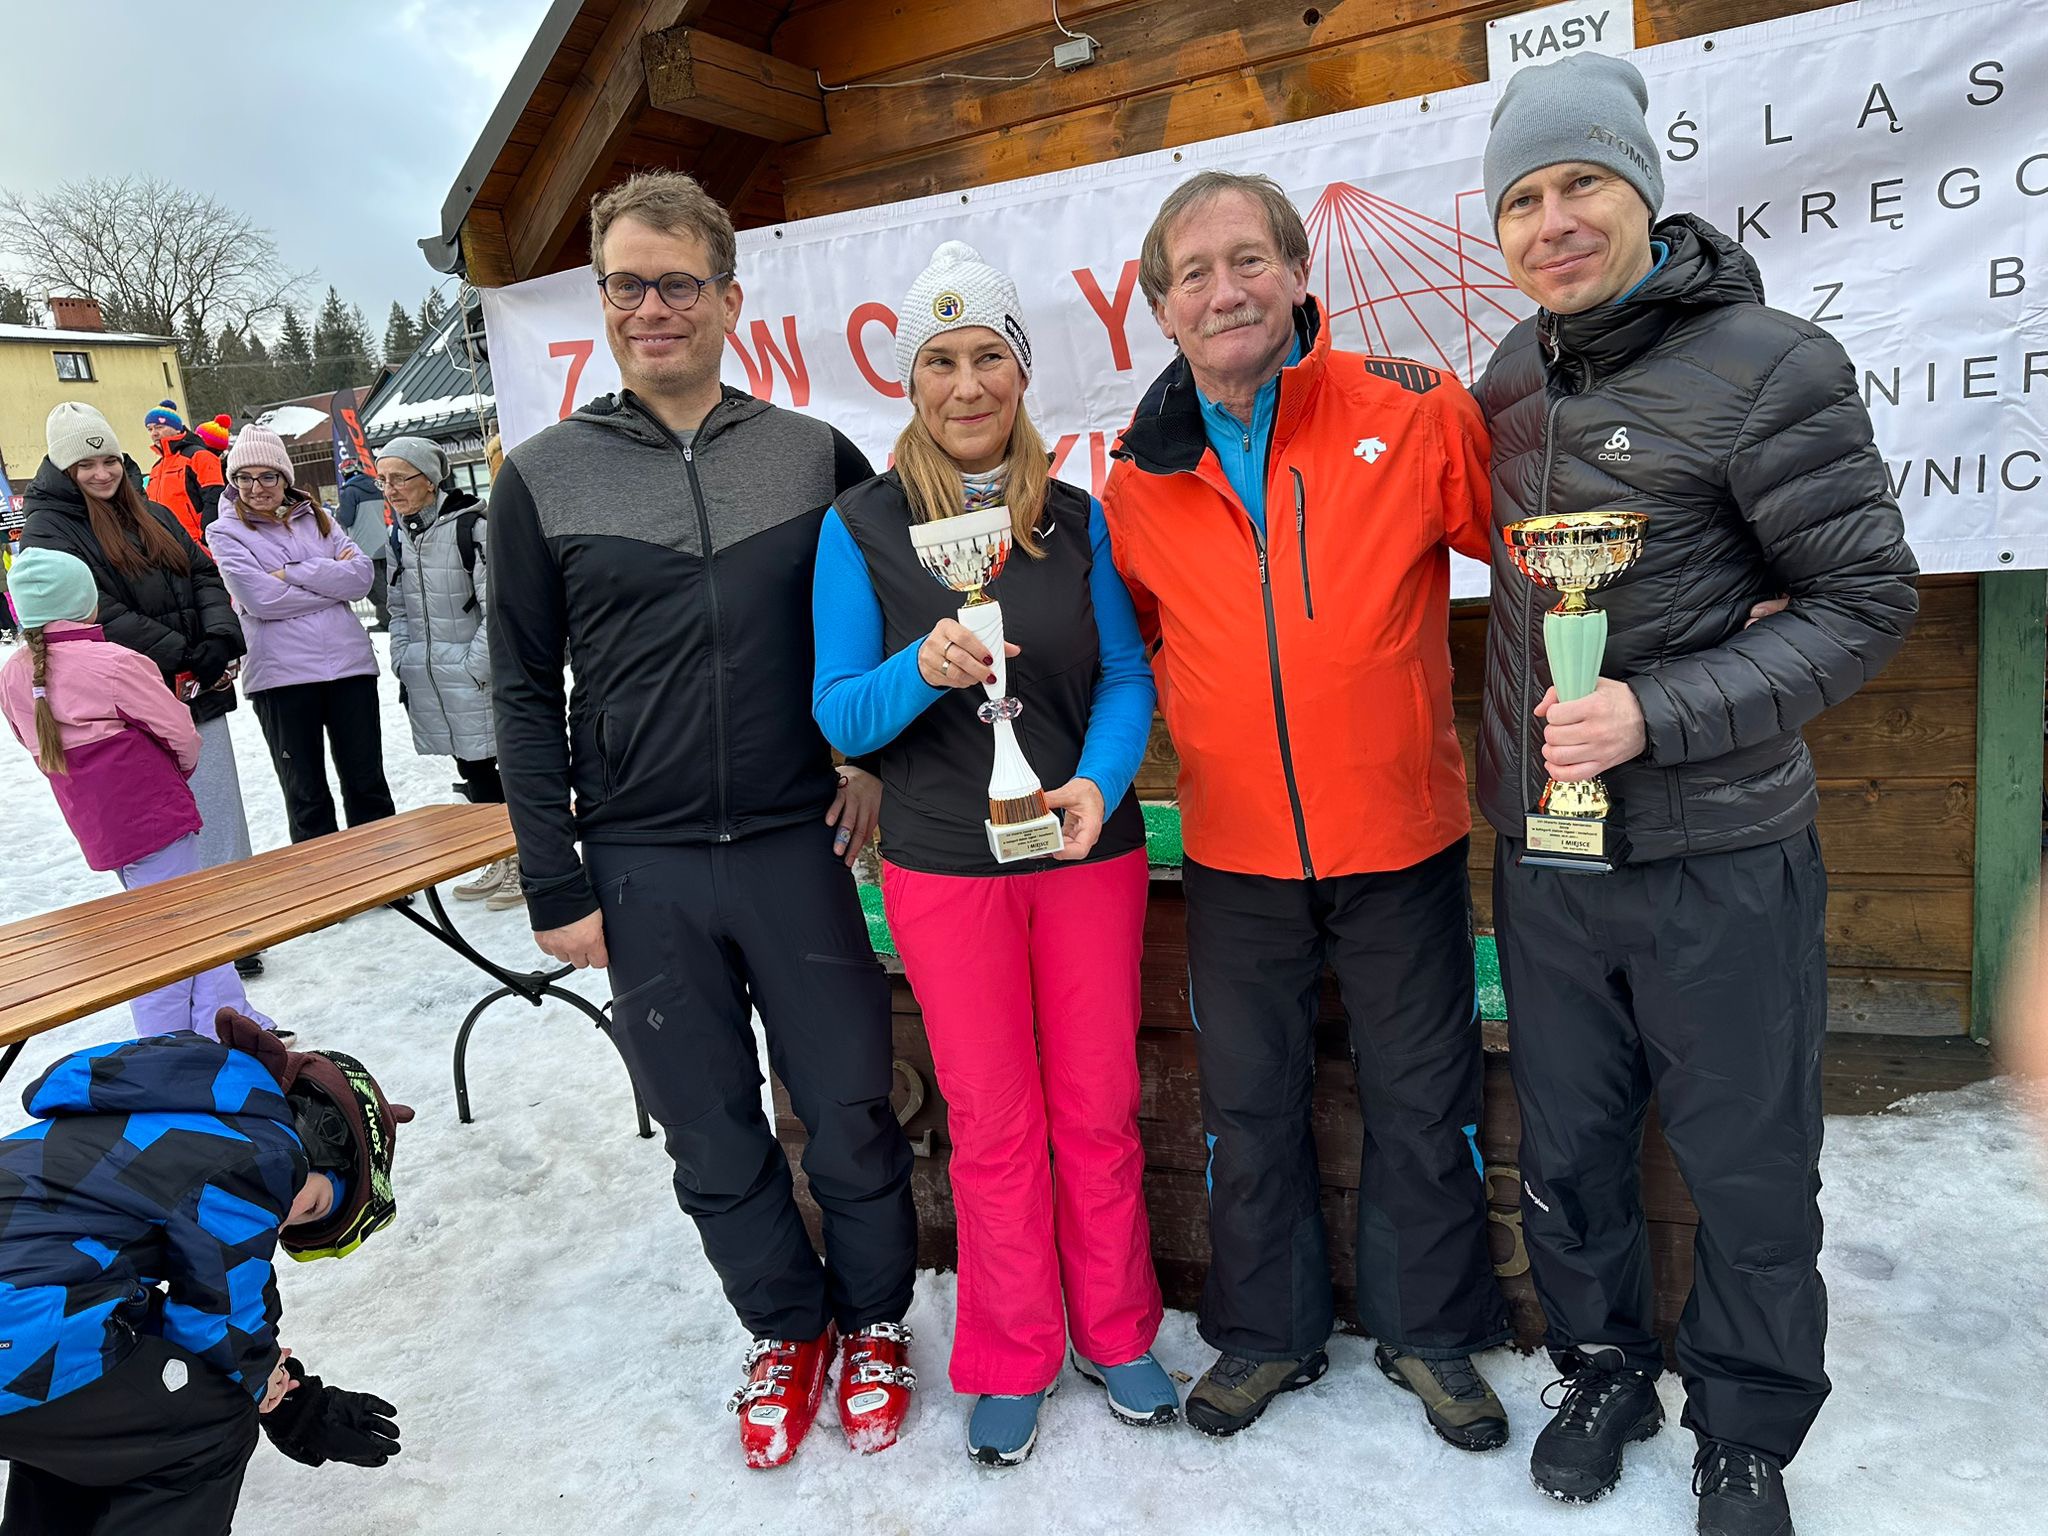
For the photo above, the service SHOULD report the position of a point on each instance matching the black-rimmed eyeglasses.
(679, 290)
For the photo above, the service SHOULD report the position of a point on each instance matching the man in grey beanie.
(1653, 379)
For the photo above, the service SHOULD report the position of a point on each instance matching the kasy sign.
(1545, 36)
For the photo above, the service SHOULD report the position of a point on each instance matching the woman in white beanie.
(1027, 971)
(159, 594)
(312, 676)
(440, 647)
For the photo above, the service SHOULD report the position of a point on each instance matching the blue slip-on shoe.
(1002, 1430)
(1140, 1392)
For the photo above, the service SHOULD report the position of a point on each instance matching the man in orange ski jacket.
(1283, 513)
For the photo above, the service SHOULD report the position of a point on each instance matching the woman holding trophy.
(1018, 910)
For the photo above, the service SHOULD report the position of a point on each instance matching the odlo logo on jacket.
(1615, 449)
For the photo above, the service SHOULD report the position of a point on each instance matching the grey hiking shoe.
(1460, 1405)
(1234, 1392)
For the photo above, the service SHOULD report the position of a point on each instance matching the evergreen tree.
(292, 373)
(401, 336)
(343, 353)
(15, 308)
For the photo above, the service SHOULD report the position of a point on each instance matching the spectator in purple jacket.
(310, 672)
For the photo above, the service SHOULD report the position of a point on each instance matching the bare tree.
(159, 258)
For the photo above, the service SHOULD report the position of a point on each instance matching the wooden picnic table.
(62, 965)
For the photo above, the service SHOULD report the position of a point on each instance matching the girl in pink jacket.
(117, 747)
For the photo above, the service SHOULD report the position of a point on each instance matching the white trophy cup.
(966, 553)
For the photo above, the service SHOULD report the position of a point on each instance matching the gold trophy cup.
(966, 553)
(1574, 553)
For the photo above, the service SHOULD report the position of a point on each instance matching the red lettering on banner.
(578, 353)
(1098, 458)
(863, 316)
(760, 376)
(1112, 312)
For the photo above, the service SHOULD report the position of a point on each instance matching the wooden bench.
(63, 965)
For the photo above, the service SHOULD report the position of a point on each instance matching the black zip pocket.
(1308, 601)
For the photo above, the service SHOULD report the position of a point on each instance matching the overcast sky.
(339, 125)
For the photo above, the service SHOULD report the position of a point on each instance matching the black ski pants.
(1401, 945)
(699, 934)
(480, 780)
(1703, 981)
(137, 1453)
(305, 722)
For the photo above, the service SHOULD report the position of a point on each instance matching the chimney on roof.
(69, 313)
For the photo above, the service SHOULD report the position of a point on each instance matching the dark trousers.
(380, 588)
(128, 1455)
(480, 780)
(297, 719)
(1401, 945)
(698, 935)
(1702, 980)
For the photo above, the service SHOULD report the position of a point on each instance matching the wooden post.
(2012, 658)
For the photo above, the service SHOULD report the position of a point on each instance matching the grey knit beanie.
(421, 453)
(1586, 107)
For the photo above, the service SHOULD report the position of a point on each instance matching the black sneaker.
(249, 967)
(1741, 1493)
(1234, 1392)
(1605, 1407)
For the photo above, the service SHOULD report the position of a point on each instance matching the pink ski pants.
(1029, 987)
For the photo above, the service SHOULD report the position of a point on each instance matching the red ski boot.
(784, 1387)
(874, 1385)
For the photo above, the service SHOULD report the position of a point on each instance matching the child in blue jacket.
(139, 1216)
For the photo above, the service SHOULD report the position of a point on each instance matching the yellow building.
(122, 375)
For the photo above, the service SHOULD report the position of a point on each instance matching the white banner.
(1885, 162)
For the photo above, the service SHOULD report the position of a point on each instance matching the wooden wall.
(1170, 72)
(1897, 765)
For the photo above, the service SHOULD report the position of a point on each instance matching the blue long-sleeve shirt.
(863, 700)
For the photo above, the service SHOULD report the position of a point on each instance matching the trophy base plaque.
(1038, 838)
(1573, 828)
(1584, 845)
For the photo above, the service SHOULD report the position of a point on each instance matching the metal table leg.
(534, 987)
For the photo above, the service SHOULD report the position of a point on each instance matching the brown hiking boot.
(1234, 1392)
(1460, 1405)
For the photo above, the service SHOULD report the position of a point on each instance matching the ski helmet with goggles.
(347, 1126)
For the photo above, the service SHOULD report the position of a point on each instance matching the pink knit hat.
(259, 448)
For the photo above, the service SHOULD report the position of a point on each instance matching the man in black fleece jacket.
(662, 540)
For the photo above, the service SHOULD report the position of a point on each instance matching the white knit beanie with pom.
(956, 291)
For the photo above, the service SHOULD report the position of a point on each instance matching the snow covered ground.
(560, 1352)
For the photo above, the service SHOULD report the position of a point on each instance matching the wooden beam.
(694, 74)
(574, 158)
(2012, 662)
(1256, 66)
(486, 257)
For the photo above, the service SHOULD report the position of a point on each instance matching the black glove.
(316, 1423)
(208, 659)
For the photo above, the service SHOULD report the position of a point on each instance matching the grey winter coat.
(439, 644)
(1738, 429)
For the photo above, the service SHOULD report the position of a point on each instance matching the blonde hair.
(934, 487)
(49, 740)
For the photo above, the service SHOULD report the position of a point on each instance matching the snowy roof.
(292, 420)
(433, 395)
(97, 338)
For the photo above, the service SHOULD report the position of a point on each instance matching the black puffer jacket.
(181, 620)
(1739, 431)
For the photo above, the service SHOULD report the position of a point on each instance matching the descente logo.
(1615, 450)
